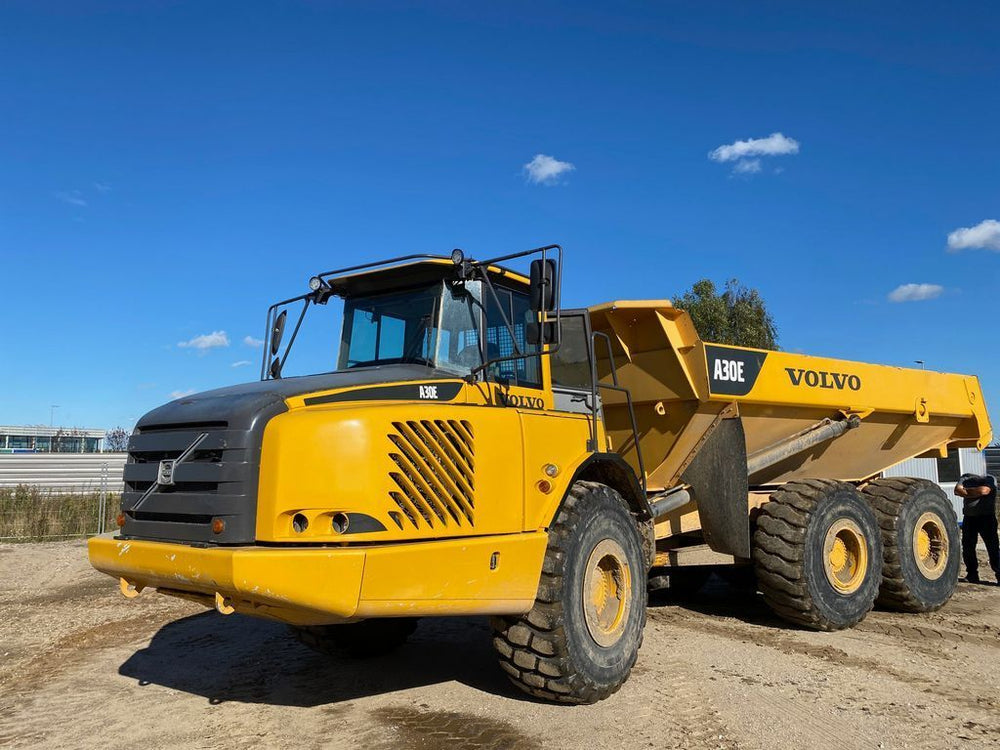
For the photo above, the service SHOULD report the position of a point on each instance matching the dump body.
(682, 388)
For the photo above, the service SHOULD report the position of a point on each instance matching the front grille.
(216, 480)
(434, 476)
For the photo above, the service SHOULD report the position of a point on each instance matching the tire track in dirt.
(671, 710)
(925, 637)
(81, 645)
(414, 728)
(784, 641)
(822, 734)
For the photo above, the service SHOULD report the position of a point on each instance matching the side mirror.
(278, 331)
(543, 289)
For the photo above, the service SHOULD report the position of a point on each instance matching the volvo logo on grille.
(165, 474)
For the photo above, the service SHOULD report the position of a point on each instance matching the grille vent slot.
(434, 474)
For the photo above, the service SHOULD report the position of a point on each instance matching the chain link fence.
(31, 514)
(58, 496)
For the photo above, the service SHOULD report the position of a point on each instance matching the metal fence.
(58, 495)
(63, 472)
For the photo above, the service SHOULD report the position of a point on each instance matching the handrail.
(594, 385)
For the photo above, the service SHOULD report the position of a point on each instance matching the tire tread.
(887, 496)
(779, 551)
(533, 649)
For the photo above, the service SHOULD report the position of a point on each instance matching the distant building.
(944, 471)
(38, 439)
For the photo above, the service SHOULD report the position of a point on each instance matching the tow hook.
(223, 605)
(129, 590)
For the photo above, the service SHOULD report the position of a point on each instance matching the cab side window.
(516, 307)
(571, 361)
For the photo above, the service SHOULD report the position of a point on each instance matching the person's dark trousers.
(985, 527)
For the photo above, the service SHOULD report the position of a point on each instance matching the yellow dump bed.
(681, 387)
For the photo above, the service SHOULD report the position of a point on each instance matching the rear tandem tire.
(818, 554)
(921, 541)
(357, 640)
(580, 640)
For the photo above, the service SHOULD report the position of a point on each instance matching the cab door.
(560, 435)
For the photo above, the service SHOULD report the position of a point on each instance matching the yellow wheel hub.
(846, 556)
(930, 545)
(607, 592)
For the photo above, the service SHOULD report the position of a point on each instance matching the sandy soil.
(80, 666)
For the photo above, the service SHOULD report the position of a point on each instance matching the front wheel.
(579, 642)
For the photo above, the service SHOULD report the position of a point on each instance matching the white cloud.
(915, 292)
(241, 363)
(251, 341)
(546, 170)
(747, 166)
(984, 236)
(102, 187)
(73, 197)
(775, 144)
(206, 341)
(181, 394)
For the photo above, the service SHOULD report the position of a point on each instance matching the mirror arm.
(295, 332)
(267, 334)
(269, 322)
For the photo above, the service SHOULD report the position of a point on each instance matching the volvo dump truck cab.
(472, 448)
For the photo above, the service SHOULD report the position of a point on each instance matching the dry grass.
(30, 514)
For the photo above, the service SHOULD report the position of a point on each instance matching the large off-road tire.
(357, 640)
(818, 554)
(579, 642)
(920, 541)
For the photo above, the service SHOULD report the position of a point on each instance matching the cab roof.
(413, 273)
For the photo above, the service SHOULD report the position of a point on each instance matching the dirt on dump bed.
(80, 666)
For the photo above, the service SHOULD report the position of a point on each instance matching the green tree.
(737, 316)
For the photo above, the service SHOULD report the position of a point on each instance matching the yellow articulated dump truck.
(475, 449)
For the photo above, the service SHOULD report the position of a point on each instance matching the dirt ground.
(80, 666)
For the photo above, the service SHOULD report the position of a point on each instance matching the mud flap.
(719, 485)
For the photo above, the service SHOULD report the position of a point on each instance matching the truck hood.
(240, 404)
(223, 431)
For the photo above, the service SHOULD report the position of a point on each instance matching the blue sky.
(168, 169)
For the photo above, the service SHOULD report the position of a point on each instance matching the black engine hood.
(240, 404)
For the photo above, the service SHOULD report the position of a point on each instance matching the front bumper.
(319, 585)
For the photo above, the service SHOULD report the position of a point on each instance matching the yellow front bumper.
(315, 585)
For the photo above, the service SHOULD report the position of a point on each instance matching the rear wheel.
(357, 639)
(579, 642)
(920, 539)
(818, 554)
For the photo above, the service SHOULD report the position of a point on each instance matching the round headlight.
(457, 256)
(315, 283)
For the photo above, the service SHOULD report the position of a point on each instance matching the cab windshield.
(439, 325)
(388, 329)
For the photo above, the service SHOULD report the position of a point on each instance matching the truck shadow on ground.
(737, 599)
(247, 660)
